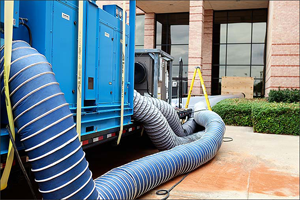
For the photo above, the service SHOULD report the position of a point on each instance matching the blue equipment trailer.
(53, 27)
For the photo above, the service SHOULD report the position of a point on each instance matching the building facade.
(258, 39)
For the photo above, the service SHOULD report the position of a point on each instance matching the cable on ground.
(167, 192)
(227, 139)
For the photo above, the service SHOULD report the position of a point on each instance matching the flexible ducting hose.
(156, 125)
(189, 126)
(135, 178)
(47, 129)
(214, 100)
(172, 118)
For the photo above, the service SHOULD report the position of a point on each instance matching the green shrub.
(235, 111)
(265, 117)
(278, 118)
(286, 95)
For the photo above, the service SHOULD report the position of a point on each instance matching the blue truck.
(51, 27)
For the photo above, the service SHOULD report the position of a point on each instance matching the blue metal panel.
(39, 15)
(118, 69)
(132, 15)
(106, 55)
(54, 32)
(115, 11)
(16, 19)
(64, 48)
(91, 58)
(118, 66)
(106, 108)
(16, 13)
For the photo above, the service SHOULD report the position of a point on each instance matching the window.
(239, 39)
(172, 36)
(139, 31)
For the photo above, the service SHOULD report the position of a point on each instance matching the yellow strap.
(8, 32)
(203, 88)
(79, 69)
(123, 73)
(191, 89)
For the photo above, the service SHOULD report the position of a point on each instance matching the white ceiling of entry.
(163, 6)
(235, 4)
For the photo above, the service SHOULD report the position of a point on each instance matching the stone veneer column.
(196, 27)
(207, 49)
(282, 59)
(149, 31)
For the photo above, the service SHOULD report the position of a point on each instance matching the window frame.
(215, 79)
(172, 43)
(140, 46)
(161, 44)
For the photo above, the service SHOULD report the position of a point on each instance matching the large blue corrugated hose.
(47, 130)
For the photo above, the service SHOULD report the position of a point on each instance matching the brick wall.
(196, 29)
(282, 59)
(149, 34)
(207, 49)
(200, 45)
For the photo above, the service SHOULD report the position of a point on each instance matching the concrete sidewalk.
(252, 166)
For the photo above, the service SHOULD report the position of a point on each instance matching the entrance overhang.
(163, 6)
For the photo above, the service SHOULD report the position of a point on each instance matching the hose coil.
(47, 129)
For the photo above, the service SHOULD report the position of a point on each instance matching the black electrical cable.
(20, 162)
(167, 192)
(29, 32)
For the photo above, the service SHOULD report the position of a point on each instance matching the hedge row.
(286, 95)
(235, 112)
(265, 117)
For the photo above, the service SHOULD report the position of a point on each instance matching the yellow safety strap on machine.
(123, 72)
(203, 88)
(8, 32)
(79, 69)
